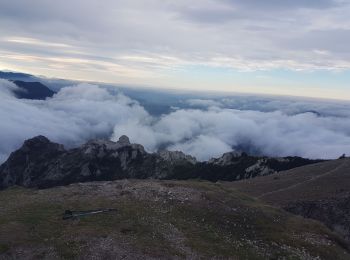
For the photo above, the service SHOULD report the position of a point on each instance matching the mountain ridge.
(41, 163)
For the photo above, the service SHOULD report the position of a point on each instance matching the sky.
(290, 47)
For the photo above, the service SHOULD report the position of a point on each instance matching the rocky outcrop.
(42, 163)
(226, 158)
(176, 157)
(30, 162)
(234, 166)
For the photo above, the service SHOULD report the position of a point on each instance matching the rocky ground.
(156, 220)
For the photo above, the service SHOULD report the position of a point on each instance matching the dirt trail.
(303, 182)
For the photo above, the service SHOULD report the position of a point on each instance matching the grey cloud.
(212, 15)
(253, 10)
(108, 30)
(285, 4)
(335, 41)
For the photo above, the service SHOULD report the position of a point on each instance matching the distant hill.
(52, 83)
(32, 90)
(17, 76)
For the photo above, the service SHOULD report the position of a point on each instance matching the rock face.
(234, 166)
(30, 162)
(176, 156)
(42, 163)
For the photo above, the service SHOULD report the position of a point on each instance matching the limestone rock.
(42, 163)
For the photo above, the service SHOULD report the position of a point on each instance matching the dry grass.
(312, 182)
(156, 219)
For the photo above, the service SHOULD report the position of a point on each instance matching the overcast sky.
(295, 47)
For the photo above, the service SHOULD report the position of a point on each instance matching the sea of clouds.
(278, 127)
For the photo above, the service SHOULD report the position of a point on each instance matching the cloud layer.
(71, 117)
(212, 132)
(78, 113)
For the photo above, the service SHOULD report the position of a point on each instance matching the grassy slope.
(312, 182)
(157, 219)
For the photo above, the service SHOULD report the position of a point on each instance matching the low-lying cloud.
(71, 117)
(207, 133)
(78, 113)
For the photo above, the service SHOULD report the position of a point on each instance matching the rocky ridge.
(41, 163)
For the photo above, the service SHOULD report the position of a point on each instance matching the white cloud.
(71, 117)
(203, 147)
(78, 113)
(205, 134)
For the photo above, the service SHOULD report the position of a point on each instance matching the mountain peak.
(124, 140)
(37, 139)
(40, 143)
